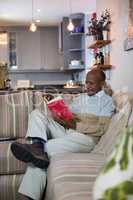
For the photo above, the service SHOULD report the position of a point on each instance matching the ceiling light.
(70, 26)
(38, 10)
(38, 20)
(33, 26)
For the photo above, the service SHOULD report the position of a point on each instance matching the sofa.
(70, 176)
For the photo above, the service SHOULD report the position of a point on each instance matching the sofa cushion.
(40, 104)
(116, 179)
(14, 110)
(118, 122)
(73, 191)
(72, 168)
(38, 101)
(8, 163)
(9, 185)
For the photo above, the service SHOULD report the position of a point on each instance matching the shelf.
(75, 68)
(73, 50)
(11, 71)
(76, 16)
(103, 67)
(74, 34)
(99, 44)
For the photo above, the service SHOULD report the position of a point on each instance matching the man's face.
(93, 84)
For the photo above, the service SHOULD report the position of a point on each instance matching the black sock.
(39, 141)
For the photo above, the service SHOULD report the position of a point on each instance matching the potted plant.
(3, 74)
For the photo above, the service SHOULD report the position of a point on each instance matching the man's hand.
(66, 124)
(75, 117)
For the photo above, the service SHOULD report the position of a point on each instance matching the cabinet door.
(28, 49)
(50, 55)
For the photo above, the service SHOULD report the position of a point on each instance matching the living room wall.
(121, 78)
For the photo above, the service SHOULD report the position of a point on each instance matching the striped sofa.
(70, 176)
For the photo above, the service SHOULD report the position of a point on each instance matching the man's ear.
(107, 89)
(103, 84)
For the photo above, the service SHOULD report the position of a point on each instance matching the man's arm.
(108, 107)
(67, 124)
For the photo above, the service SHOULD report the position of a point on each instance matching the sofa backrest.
(14, 110)
(118, 122)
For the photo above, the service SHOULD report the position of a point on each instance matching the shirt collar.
(100, 93)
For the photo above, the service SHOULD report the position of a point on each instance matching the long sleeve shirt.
(99, 104)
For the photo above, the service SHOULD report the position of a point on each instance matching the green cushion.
(115, 182)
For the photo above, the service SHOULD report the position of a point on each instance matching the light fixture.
(37, 20)
(70, 26)
(3, 38)
(33, 26)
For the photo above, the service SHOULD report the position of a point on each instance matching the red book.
(59, 109)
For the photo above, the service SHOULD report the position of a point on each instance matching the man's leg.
(43, 127)
(39, 126)
(73, 141)
(40, 129)
(33, 183)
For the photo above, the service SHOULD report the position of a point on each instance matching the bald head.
(97, 73)
(95, 79)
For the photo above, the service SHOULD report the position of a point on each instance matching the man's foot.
(30, 153)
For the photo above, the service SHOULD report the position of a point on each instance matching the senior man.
(51, 136)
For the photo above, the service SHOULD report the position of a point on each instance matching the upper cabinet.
(74, 42)
(38, 50)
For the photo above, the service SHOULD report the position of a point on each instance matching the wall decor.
(128, 43)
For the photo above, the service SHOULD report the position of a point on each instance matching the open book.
(59, 109)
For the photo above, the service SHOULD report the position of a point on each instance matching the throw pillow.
(115, 182)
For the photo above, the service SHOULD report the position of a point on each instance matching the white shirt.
(99, 104)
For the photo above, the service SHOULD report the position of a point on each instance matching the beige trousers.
(58, 140)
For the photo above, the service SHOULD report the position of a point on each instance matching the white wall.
(122, 60)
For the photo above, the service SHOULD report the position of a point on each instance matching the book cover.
(59, 109)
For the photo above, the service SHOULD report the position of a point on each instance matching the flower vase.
(105, 35)
(99, 35)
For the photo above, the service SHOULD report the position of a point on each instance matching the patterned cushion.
(116, 179)
(121, 98)
(9, 185)
(8, 163)
(72, 168)
(14, 110)
(118, 122)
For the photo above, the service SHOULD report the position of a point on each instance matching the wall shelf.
(76, 34)
(75, 69)
(103, 67)
(99, 44)
(72, 50)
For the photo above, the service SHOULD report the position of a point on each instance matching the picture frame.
(128, 43)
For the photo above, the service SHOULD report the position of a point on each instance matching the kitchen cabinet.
(74, 42)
